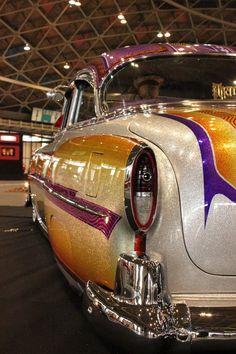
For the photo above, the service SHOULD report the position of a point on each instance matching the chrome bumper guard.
(137, 312)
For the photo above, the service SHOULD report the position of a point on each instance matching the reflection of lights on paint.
(106, 219)
(113, 171)
(26, 184)
(206, 314)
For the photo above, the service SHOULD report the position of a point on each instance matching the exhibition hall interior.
(117, 176)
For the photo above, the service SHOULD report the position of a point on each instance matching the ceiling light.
(159, 34)
(234, 82)
(26, 47)
(121, 17)
(123, 21)
(167, 34)
(66, 66)
(75, 3)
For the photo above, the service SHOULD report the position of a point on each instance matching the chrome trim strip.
(36, 216)
(205, 297)
(127, 182)
(88, 212)
(74, 283)
(67, 200)
(73, 203)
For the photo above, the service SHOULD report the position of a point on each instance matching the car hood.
(200, 143)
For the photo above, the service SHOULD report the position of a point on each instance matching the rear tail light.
(141, 189)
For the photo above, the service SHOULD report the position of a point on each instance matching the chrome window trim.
(107, 78)
(90, 76)
(73, 107)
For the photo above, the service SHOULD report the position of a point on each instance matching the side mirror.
(55, 95)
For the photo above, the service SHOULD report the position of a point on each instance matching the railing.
(27, 127)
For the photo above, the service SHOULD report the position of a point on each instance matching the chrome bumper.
(137, 314)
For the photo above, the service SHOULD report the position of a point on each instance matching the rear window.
(166, 79)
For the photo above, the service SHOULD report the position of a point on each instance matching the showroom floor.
(13, 193)
(40, 314)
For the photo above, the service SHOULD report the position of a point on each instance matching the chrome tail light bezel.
(130, 207)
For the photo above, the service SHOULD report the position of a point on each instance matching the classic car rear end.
(143, 171)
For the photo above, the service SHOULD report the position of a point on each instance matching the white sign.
(45, 115)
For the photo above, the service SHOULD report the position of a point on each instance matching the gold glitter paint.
(223, 139)
(94, 166)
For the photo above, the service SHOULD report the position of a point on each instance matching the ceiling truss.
(58, 33)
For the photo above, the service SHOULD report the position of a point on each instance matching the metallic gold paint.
(82, 163)
(60, 240)
(226, 114)
(74, 168)
(223, 139)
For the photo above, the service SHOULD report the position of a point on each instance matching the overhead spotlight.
(75, 3)
(26, 47)
(66, 66)
(121, 17)
(234, 82)
(159, 34)
(167, 34)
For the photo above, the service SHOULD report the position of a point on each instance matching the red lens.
(144, 189)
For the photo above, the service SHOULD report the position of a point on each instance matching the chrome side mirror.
(57, 94)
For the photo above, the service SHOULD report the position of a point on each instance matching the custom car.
(136, 194)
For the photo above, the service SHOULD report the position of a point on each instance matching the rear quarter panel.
(90, 171)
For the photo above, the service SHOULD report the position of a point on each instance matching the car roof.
(107, 61)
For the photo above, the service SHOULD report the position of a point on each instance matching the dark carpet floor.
(39, 312)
